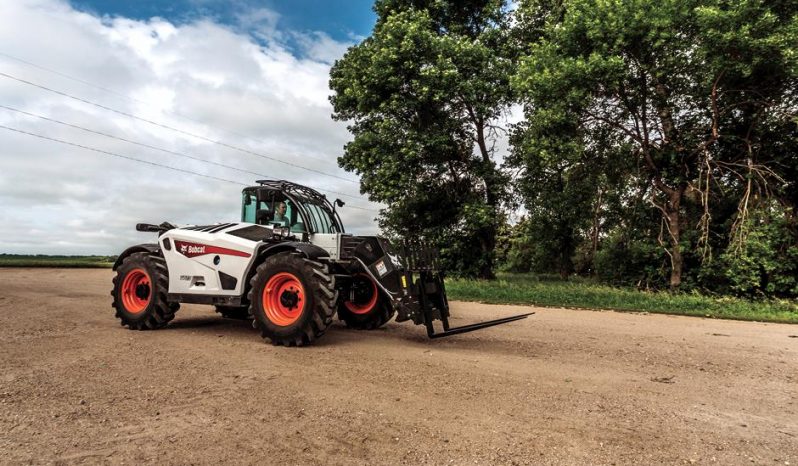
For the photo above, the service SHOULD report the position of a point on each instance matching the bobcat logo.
(193, 250)
(186, 249)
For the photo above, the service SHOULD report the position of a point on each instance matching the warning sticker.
(381, 268)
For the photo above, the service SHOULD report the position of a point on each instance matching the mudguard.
(151, 248)
(268, 249)
(308, 250)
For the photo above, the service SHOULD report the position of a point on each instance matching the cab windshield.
(319, 218)
(285, 212)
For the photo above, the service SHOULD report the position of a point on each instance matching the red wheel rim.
(283, 299)
(364, 308)
(136, 291)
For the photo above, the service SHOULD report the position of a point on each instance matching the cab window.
(249, 207)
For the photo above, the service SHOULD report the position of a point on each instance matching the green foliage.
(623, 260)
(680, 108)
(650, 130)
(582, 293)
(766, 262)
(518, 250)
(421, 94)
(534, 246)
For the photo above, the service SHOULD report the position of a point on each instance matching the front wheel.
(140, 287)
(364, 307)
(292, 299)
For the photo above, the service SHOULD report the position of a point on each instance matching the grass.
(13, 260)
(538, 291)
(582, 293)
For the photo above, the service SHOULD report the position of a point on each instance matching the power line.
(64, 75)
(114, 154)
(148, 146)
(170, 128)
(132, 99)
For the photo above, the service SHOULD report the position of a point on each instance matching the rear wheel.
(292, 299)
(365, 308)
(140, 287)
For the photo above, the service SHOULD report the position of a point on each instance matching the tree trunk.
(488, 233)
(487, 242)
(595, 231)
(673, 222)
(566, 265)
(676, 252)
(670, 210)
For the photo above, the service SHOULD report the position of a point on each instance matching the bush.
(764, 261)
(627, 261)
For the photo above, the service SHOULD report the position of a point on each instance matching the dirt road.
(562, 387)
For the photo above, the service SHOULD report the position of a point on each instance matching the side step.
(448, 331)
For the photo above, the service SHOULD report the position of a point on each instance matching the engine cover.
(213, 259)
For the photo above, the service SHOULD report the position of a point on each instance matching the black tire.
(140, 292)
(306, 304)
(234, 312)
(368, 316)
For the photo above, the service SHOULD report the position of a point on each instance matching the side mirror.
(336, 204)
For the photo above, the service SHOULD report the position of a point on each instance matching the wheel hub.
(289, 298)
(136, 291)
(363, 295)
(361, 292)
(143, 291)
(283, 299)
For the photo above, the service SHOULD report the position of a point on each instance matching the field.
(14, 260)
(561, 387)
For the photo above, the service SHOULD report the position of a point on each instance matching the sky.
(222, 93)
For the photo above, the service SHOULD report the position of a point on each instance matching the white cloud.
(201, 77)
(320, 46)
(261, 22)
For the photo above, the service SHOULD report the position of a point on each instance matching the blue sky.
(341, 20)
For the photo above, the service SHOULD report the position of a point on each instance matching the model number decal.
(194, 249)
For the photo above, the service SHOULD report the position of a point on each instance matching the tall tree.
(687, 90)
(423, 95)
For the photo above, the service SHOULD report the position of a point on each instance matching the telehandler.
(289, 266)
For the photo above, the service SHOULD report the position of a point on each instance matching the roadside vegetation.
(539, 290)
(14, 260)
(655, 147)
(552, 291)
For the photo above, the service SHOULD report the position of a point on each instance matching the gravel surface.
(561, 387)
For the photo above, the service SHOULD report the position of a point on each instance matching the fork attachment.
(435, 306)
(425, 300)
(411, 278)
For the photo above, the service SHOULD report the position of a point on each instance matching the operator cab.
(284, 204)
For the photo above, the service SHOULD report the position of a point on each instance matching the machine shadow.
(211, 324)
(338, 333)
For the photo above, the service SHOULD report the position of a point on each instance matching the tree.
(686, 93)
(423, 94)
